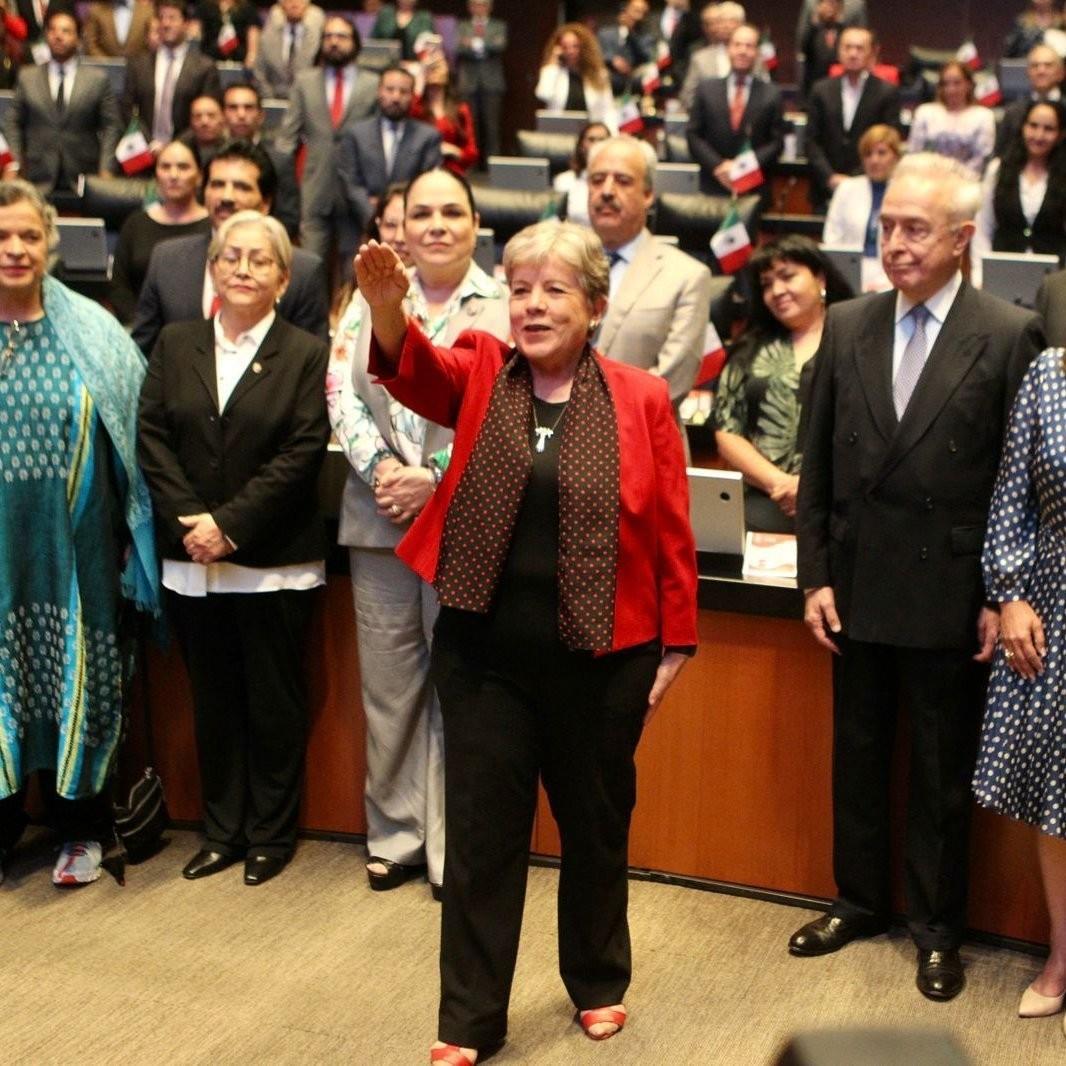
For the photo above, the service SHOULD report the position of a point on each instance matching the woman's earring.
(823, 294)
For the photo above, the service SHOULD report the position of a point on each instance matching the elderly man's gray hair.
(632, 143)
(962, 188)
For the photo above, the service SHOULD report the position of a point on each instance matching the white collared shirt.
(122, 13)
(850, 96)
(618, 270)
(391, 135)
(731, 87)
(69, 69)
(179, 53)
(938, 305)
(232, 358)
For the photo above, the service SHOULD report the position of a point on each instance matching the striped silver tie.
(910, 366)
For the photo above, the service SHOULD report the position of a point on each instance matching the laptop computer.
(716, 510)
(1016, 278)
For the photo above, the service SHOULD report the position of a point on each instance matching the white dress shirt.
(850, 96)
(625, 256)
(938, 305)
(122, 13)
(179, 55)
(69, 69)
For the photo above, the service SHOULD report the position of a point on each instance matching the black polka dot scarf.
(482, 514)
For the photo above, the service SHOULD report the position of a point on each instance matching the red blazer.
(460, 133)
(655, 587)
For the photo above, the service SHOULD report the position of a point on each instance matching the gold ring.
(396, 509)
(1007, 653)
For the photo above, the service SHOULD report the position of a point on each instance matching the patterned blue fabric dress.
(1021, 769)
(61, 667)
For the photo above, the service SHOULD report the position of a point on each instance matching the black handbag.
(139, 825)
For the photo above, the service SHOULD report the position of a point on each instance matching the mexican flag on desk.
(987, 90)
(6, 155)
(745, 174)
(650, 79)
(663, 59)
(767, 52)
(713, 356)
(132, 150)
(629, 120)
(731, 243)
(968, 57)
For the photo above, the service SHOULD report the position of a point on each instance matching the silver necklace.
(7, 356)
(544, 433)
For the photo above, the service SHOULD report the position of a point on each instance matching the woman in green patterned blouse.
(758, 408)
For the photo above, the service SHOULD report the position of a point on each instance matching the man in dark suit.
(678, 26)
(178, 286)
(64, 119)
(482, 40)
(1051, 306)
(626, 46)
(1045, 69)
(730, 112)
(242, 110)
(841, 110)
(911, 394)
(160, 88)
(387, 148)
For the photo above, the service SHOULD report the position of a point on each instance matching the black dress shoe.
(205, 863)
(395, 874)
(260, 868)
(436, 891)
(940, 974)
(830, 933)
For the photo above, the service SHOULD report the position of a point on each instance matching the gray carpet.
(314, 968)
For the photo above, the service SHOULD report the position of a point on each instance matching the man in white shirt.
(64, 119)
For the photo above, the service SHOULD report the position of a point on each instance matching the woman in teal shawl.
(75, 536)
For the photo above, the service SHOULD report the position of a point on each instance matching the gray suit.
(481, 80)
(53, 148)
(1051, 305)
(324, 210)
(174, 287)
(395, 611)
(658, 317)
(362, 161)
(273, 73)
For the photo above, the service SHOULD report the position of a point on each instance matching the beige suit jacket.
(100, 36)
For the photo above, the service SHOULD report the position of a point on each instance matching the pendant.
(543, 435)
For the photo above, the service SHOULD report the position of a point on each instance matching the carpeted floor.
(314, 968)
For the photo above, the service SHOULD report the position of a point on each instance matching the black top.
(243, 15)
(575, 97)
(1046, 235)
(139, 235)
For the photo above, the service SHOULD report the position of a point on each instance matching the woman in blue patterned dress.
(1021, 768)
(75, 537)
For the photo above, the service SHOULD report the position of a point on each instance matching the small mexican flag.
(132, 150)
(745, 174)
(731, 243)
(629, 120)
(987, 90)
(649, 78)
(228, 41)
(713, 356)
(663, 59)
(6, 155)
(767, 52)
(968, 57)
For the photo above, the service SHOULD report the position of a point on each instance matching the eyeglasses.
(229, 261)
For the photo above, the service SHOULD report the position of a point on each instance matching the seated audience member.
(63, 121)
(177, 213)
(288, 45)
(1051, 306)
(953, 124)
(207, 128)
(573, 76)
(854, 216)
(179, 285)
(242, 111)
(479, 68)
(1045, 69)
(573, 182)
(241, 537)
(852, 14)
(450, 117)
(117, 29)
(1028, 29)
(403, 22)
(840, 110)
(229, 31)
(1023, 195)
(389, 147)
(76, 544)
(718, 21)
(731, 112)
(758, 408)
(660, 298)
(626, 45)
(819, 45)
(161, 87)
(324, 102)
(398, 459)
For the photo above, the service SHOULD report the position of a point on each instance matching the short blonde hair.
(881, 134)
(576, 246)
(275, 231)
(17, 191)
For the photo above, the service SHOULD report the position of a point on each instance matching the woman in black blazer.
(233, 430)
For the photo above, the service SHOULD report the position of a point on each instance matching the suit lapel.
(873, 363)
(203, 360)
(640, 273)
(258, 369)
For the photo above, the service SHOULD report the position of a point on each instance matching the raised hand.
(380, 275)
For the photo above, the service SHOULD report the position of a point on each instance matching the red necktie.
(736, 107)
(336, 107)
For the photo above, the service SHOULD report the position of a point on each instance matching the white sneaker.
(78, 863)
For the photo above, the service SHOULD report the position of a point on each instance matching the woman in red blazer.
(560, 548)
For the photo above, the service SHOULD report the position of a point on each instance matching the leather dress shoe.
(205, 863)
(940, 974)
(830, 933)
(260, 868)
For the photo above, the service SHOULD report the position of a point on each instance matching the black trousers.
(511, 715)
(943, 692)
(73, 819)
(245, 656)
